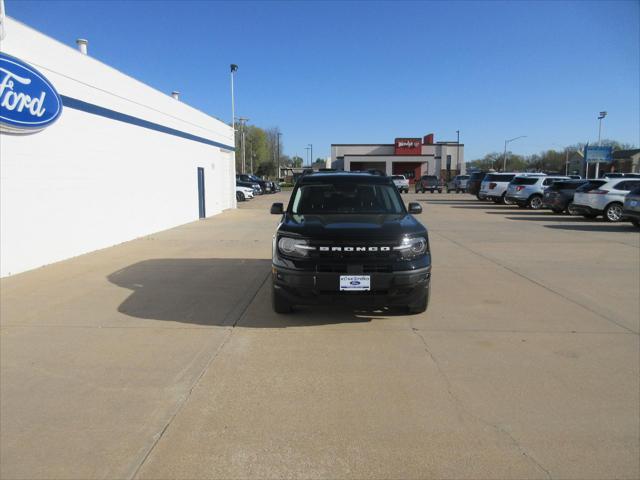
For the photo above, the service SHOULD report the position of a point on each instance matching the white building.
(412, 157)
(122, 160)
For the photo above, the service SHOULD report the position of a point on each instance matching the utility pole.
(306, 155)
(243, 121)
(278, 163)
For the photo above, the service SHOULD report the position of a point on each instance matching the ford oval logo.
(354, 282)
(28, 101)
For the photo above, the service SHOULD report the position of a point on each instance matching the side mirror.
(278, 209)
(415, 208)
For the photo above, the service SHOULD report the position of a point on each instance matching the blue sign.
(598, 154)
(28, 101)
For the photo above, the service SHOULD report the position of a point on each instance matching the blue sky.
(358, 72)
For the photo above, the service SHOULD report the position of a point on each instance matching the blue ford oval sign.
(28, 101)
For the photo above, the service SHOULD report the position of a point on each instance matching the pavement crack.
(463, 410)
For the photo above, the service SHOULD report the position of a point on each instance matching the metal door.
(201, 208)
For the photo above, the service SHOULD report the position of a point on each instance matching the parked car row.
(614, 197)
(248, 186)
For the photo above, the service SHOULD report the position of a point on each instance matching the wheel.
(613, 212)
(457, 190)
(421, 305)
(240, 196)
(478, 196)
(432, 190)
(279, 303)
(535, 202)
(507, 202)
(439, 190)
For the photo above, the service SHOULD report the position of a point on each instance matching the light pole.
(600, 117)
(311, 155)
(504, 158)
(234, 68)
(458, 172)
(243, 121)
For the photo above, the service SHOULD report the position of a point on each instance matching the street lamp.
(504, 158)
(600, 117)
(311, 155)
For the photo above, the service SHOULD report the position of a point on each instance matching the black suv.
(347, 238)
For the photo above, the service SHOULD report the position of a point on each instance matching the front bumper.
(387, 289)
(628, 214)
(585, 210)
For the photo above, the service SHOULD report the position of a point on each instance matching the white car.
(243, 193)
(401, 183)
(603, 197)
(528, 190)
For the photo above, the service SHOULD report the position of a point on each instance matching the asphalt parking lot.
(161, 358)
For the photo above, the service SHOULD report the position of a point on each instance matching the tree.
(319, 163)
(297, 161)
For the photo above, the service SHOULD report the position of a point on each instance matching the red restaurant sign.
(408, 146)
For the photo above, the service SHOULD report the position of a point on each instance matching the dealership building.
(411, 157)
(90, 157)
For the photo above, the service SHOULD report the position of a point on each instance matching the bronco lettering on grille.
(354, 249)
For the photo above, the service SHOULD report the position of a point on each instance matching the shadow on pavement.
(550, 218)
(598, 227)
(217, 292)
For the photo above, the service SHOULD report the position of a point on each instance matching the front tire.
(613, 212)
(279, 303)
(240, 197)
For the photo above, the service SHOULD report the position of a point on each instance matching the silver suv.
(527, 191)
(606, 199)
(494, 186)
(458, 183)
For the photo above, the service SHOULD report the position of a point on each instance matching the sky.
(370, 71)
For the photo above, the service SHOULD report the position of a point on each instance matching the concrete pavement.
(161, 358)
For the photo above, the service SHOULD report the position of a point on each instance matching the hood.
(351, 227)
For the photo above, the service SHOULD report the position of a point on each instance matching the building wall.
(88, 182)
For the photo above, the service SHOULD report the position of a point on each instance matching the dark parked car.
(265, 185)
(474, 181)
(559, 195)
(428, 182)
(347, 238)
(631, 208)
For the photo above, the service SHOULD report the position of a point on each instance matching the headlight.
(294, 247)
(413, 247)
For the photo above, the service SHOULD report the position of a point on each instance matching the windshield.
(346, 198)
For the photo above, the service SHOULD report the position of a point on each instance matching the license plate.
(355, 283)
